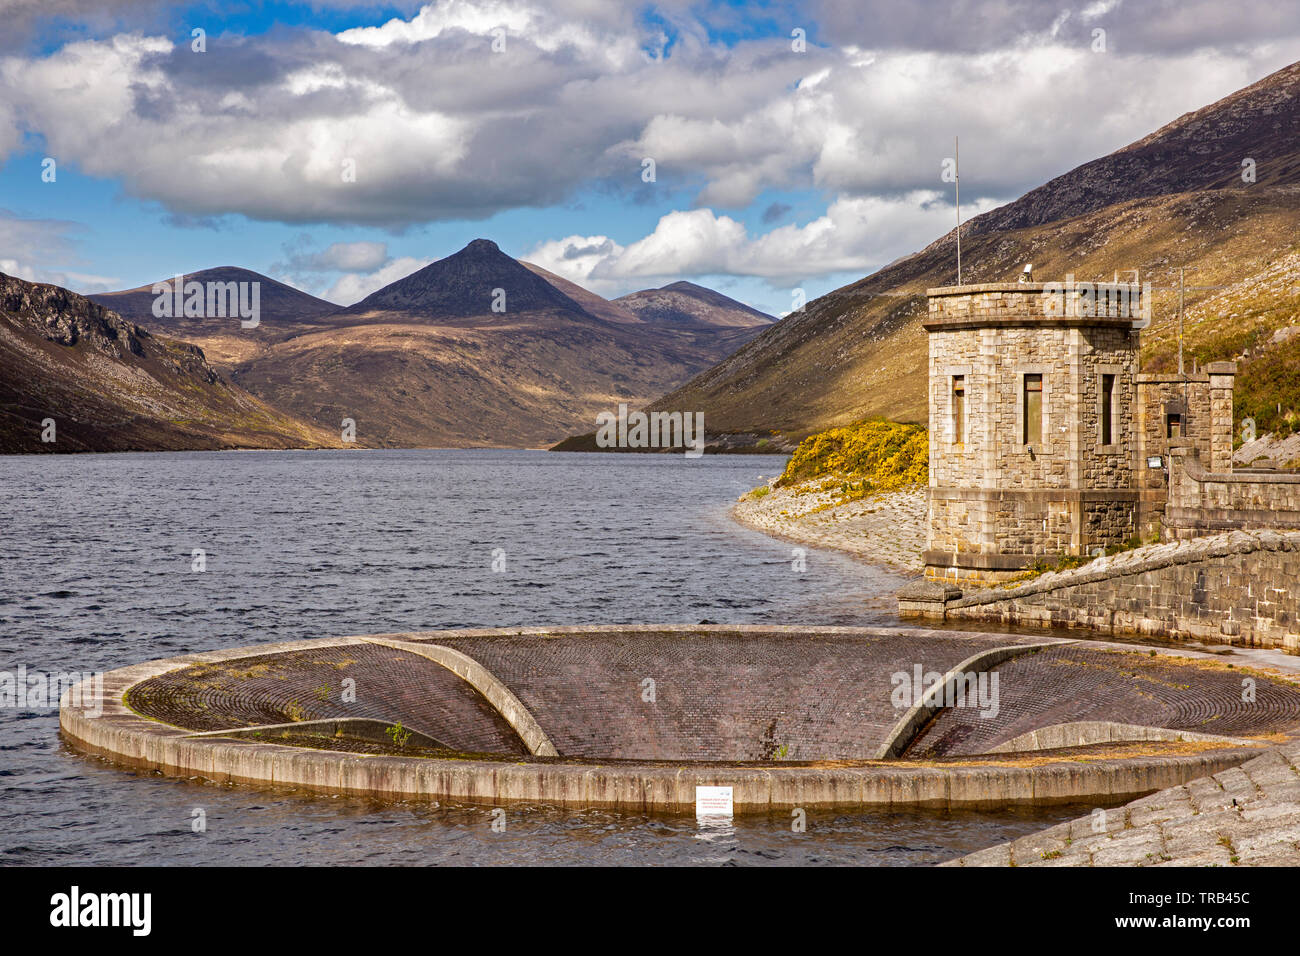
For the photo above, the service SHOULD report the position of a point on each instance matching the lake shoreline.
(887, 529)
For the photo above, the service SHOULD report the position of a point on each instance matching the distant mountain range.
(475, 349)
(479, 349)
(75, 372)
(1182, 196)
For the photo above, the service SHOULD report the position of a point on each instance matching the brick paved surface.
(308, 685)
(718, 696)
(1065, 684)
(1248, 816)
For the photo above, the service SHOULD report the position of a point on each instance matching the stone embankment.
(1246, 815)
(1237, 588)
(886, 529)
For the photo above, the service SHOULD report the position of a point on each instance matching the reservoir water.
(97, 571)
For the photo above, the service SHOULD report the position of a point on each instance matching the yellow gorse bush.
(863, 459)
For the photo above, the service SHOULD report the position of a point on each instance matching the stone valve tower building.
(1044, 438)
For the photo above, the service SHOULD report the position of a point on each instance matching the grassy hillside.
(860, 352)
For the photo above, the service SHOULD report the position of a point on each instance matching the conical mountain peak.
(478, 280)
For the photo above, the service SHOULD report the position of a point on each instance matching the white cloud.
(26, 242)
(440, 127)
(83, 282)
(857, 234)
(338, 257)
(353, 287)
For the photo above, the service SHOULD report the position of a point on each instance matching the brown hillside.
(425, 362)
(285, 312)
(109, 385)
(688, 304)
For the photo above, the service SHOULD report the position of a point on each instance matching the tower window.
(1033, 400)
(1108, 409)
(959, 409)
(1173, 425)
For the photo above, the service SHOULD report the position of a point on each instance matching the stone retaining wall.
(1204, 502)
(1238, 588)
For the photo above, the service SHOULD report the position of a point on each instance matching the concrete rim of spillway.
(95, 719)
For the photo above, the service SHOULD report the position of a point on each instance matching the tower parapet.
(1032, 391)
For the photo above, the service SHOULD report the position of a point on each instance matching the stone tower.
(1033, 438)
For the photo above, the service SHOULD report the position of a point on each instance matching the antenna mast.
(1181, 269)
(956, 140)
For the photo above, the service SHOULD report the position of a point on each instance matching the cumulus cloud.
(353, 287)
(23, 19)
(417, 119)
(365, 267)
(337, 257)
(857, 234)
(26, 20)
(85, 283)
(975, 26)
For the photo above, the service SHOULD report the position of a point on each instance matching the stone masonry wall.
(1238, 587)
(1113, 521)
(1204, 399)
(1203, 502)
(992, 493)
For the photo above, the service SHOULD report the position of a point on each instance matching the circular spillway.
(638, 717)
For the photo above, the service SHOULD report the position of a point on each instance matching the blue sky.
(795, 145)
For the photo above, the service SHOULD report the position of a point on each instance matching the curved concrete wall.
(910, 723)
(1083, 733)
(483, 681)
(130, 739)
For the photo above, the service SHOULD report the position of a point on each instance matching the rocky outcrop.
(76, 376)
(66, 318)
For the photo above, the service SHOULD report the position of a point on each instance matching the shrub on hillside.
(863, 458)
(1267, 390)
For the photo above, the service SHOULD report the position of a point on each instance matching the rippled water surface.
(95, 573)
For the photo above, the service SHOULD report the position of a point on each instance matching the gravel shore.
(886, 529)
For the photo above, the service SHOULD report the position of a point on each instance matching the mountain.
(427, 361)
(591, 303)
(283, 304)
(1174, 198)
(284, 312)
(477, 282)
(1201, 150)
(688, 304)
(109, 385)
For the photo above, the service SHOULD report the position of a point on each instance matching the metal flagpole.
(957, 179)
(1180, 321)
